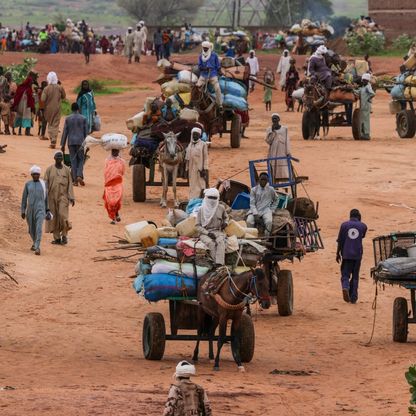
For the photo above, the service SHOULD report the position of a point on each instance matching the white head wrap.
(52, 78)
(206, 44)
(275, 115)
(185, 369)
(366, 77)
(35, 169)
(196, 130)
(286, 51)
(253, 52)
(209, 206)
(129, 28)
(141, 23)
(206, 55)
(321, 50)
(58, 152)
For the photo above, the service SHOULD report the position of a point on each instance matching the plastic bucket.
(132, 231)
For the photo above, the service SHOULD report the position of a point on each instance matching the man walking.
(277, 138)
(263, 202)
(253, 62)
(60, 194)
(129, 44)
(158, 42)
(34, 207)
(197, 164)
(185, 397)
(75, 132)
(366, 95)
(350, 253)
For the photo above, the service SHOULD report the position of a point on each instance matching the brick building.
(395, 16)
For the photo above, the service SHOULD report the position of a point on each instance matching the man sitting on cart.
(209, 66)
(211, 221)
(318, 68)
(263, 202)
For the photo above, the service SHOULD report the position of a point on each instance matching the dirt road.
(70, 333)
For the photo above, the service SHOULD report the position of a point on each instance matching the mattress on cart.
(398, 267)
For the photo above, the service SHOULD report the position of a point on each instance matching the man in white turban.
(197, 164)
(254, 67)
(52, 97)
(283, 67)
(129, 44)
(366, 96)
(318, 68)
(211, 221)
(34, 207)
(209, 67)
(186, 397)
(138, 42)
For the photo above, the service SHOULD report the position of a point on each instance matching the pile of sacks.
(405, 87)
(313, 33)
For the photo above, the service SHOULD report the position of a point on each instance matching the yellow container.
(410, 93)
(411, 80)
(132, 232)
(187, 227)
(167, 232)
(185, 97)
(411, 62)
(234, 228)
(135, 121)
(149, 236)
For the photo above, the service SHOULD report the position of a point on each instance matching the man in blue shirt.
(350, 252)
(209, 67)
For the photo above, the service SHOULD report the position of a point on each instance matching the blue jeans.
(350, 276)
(76, 153)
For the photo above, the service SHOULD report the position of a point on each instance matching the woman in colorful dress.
(24, 105)
(86, 103)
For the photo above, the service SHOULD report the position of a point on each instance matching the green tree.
(287, 12)
(161, 11)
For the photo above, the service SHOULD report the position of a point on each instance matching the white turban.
(52, 78)
(322, 50)
(185, 369)
(129, 28)
(206, 44)
(196, 130)
(35, 169)
(253, 52)
(209, 206)
(141, 22)
(275, 115)
(58, 153)
(366, 77)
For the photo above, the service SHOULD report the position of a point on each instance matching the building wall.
(395, 16)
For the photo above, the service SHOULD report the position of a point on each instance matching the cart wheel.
(406, 124)
(310, 124)
(139, 183)
(285, 293)
(235, 136)
(247, 340)
(400, 323)
(154, 336)
(356, 124)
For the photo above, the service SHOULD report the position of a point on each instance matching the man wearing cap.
(277, 137)
(75, 132)
(186, 397)
(263, 202)
(366, 95)
(197, 164)
(253, 62)
(129, 44)
(209, 67)
(350, 253)
(318, 69)
(211, 221)
(60, 195)
(34, 207)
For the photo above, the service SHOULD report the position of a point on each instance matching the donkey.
(229, 301)
(171, 155)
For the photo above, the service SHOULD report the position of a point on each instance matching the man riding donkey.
(209, 66)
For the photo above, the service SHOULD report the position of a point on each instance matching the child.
(268, 79)
(41, 112)
(5, 111)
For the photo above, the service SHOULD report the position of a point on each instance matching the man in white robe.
(283, 67)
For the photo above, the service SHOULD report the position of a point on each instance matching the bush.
(21, 71)
(403, 43)
(369, 42)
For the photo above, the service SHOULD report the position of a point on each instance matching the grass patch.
(66, 108)
(105, 87)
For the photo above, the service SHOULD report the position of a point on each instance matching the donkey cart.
(395, 265)
(183, 315)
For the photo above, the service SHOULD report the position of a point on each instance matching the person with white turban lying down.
(197, 164)
(52, 96)
(209, 66)
(186, 397)
(318, 68)
(34, 207)
(211, 221)
(366, 96)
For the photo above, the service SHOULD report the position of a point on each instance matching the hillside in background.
(106, 13)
